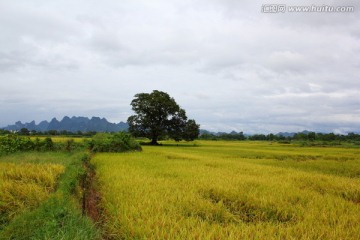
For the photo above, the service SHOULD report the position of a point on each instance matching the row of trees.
(14, 143)
(310, 136)
(101, 142)
(223, 136)
(26, 132)
(307, 136)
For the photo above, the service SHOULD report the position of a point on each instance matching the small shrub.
(69, 145)
(119, 142)
(47, 144)
(13, 143)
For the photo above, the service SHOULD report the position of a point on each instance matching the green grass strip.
(59, 217)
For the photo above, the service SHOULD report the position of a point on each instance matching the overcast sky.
(228, 64)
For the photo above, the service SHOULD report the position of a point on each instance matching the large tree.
(158, 115)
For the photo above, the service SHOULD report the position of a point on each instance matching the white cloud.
(229, 65)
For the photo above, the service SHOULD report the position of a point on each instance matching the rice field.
(24, 186)
(40, 197)
(230, 190)
(60, 139)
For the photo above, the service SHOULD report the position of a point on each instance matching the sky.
(230, 64)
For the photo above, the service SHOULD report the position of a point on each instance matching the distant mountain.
(73, 124)
(285, 134)
(203, 131)
(291, 134)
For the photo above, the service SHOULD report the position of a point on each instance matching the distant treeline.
(101, 142)
(26, 132)
(302, 136)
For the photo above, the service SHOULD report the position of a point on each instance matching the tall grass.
(35, 205)
(25, 186)
(231, 190)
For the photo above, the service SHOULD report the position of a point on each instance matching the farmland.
(180, 190)
(24, 186)
(39, 197)
(230, 190)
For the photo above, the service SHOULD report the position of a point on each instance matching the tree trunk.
(154, 141)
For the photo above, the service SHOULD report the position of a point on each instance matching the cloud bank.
(231, 66)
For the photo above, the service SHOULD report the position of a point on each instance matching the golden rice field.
(231, 190)
(24, 186)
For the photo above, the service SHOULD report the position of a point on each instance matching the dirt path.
(91, 197)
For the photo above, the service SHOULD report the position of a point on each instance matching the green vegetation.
(303, 138)
(25, 186)
(182, 190)
(43, 185)
(52, 133)
(12, 143)
(231, 190)
(38, 204)
(119, 142)
(158, 116)
(101, 142)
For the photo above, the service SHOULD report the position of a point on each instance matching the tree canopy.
(158, 115)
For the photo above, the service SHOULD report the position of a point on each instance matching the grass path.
(49, 211)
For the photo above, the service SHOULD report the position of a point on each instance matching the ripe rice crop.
(61, 139)
(25, 186)
(231, 190)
